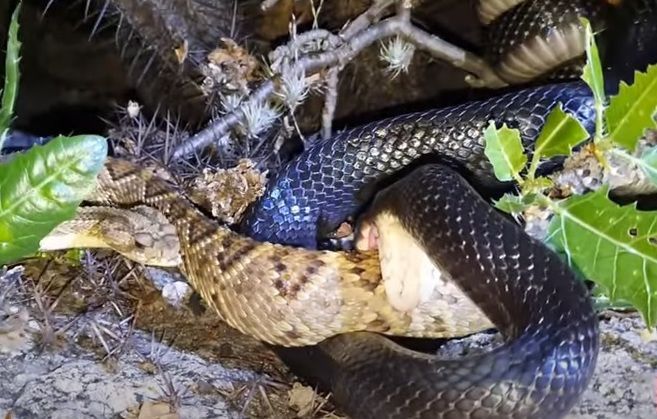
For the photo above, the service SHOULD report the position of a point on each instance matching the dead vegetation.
(101, 306)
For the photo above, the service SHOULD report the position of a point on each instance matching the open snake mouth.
(408, 274)
(411, 279)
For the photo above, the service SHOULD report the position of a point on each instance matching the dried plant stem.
(330, 101)
(362, 32)
(221, 126)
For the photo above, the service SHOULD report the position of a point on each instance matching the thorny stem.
(364, 31)
(220, 127)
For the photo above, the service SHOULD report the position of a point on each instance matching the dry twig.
(330, 101)
(362, 32)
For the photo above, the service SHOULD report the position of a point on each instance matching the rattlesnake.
(281, 295)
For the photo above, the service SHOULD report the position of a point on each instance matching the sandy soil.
(131, 354)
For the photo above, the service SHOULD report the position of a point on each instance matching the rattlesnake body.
(279, 294)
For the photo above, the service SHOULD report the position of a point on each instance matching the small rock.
(176, 293)
(302, 399)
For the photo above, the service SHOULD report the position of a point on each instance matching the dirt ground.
(98, 347)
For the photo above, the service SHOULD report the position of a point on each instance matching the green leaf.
(12, 76)
(559, 135)
(510, 203)
(614, 246)
(633, 109)
(537, 184)
(592, 74)
(515, 204)
(43, 187)
(505, 152)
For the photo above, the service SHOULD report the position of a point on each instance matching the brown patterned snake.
(281, 295)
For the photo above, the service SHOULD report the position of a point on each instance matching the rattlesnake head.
(141, 234)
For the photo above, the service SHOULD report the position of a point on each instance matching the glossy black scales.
(321, 187)
(528, 291)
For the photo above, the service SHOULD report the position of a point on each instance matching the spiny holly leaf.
(559, 135)
(614, 246)
(592, 74)
(12, 77)
(505, 152)
(633, 109)
(43, 187)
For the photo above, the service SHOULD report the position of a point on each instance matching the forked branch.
(361, 33)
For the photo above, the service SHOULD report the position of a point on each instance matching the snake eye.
(143, 240)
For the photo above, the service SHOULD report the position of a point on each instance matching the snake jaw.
(366, 236)
(408, 275)
(142, 234)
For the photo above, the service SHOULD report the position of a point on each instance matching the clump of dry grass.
(244, 395)
(151, 140)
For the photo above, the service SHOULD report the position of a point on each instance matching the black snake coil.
(538, 304)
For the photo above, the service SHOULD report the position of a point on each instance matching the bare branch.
(482, 75)
(485, 75)
(330, 101)
(354, 38)
(220, 127)
(372, 15)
